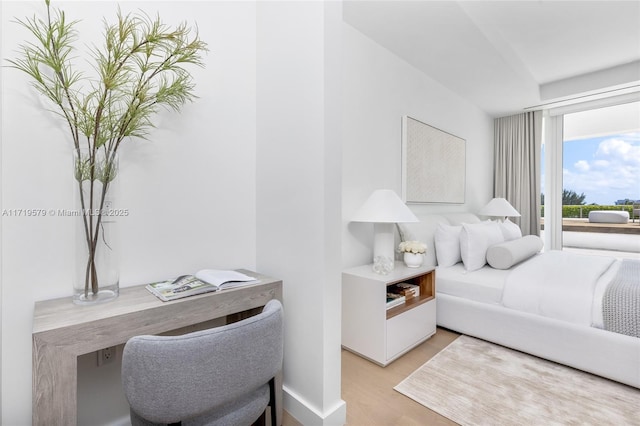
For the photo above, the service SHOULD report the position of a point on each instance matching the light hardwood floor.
(368, 391)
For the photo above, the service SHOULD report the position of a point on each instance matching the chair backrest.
(176, 377)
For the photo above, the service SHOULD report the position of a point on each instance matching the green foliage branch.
(571, 198)
(140, 68)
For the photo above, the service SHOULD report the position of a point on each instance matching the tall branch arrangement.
(140, 68)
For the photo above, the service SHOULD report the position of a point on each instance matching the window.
(597, 166)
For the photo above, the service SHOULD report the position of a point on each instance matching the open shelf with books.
(424, 292)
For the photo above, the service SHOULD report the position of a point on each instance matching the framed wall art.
(433, 164)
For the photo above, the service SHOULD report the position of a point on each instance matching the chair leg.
(262, 420)
(272, 401)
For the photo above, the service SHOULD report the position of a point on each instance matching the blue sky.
(604, 168)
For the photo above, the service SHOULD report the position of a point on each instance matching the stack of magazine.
(394, 299)
(202, 282)
(397, 294)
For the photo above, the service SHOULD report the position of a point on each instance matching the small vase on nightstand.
(413, 260)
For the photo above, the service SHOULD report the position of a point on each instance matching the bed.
(471, 300)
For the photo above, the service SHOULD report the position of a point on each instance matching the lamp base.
(383, 248)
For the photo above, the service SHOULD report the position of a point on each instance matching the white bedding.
(556, 284)
(483, 285)
(561, 285)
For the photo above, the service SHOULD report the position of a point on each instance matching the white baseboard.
(306, 414)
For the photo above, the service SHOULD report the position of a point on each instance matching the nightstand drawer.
(414, 326)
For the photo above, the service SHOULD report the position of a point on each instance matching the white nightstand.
(378, 334)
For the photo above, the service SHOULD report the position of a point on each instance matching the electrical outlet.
(106, 355)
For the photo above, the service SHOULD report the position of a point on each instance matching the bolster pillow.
(505, 255)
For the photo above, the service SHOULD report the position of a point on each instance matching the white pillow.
(447, 242)
(510, 230)
(505, 255)
(423, 231)
(475, 239)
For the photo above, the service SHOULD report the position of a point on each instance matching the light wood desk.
(62, 331)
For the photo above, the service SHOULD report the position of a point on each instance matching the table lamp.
(384, 208)
(499, 207)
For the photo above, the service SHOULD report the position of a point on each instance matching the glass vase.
(97, 267)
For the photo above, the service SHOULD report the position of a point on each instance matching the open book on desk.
(202, 282)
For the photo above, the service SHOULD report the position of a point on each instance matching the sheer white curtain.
(517, 166)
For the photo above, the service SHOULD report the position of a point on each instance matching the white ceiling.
(612, 120)
(506, 56)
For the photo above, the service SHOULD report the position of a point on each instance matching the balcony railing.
(582, 211)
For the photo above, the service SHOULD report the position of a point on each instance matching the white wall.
(190, 189)
(378, 89)
(298, 204)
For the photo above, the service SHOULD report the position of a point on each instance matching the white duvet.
(561, 285)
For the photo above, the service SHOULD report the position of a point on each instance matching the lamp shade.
(499, 207)
(384, 206)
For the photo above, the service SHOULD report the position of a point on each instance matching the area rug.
(473, 382)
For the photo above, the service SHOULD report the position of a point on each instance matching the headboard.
(425, 229)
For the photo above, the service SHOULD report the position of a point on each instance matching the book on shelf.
(394, 299)
(405, 289)
(409, 290)
(203, 281)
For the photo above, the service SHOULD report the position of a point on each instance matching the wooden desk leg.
(54, 390)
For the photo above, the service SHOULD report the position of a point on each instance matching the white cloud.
(601, 164)
(622, 150)
(582, 166)
(614, 168)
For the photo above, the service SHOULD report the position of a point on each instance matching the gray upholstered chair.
(219, 376)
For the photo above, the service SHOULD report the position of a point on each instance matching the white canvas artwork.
(433, 164)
